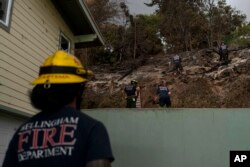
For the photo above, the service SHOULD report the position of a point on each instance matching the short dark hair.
(55, 97)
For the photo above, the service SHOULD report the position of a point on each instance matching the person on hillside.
(131, 92)
(223, 52)
(60, 134)
(177, 63)
(163, 94)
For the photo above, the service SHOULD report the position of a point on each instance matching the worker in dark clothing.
(177, 63)
(163, 94)
(131, 93)
(60, 135)
(223, 52)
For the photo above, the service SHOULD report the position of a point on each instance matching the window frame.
(62, 35)
(6, 24)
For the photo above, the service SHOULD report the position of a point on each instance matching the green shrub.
(240, 37)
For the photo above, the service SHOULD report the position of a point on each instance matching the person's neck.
(72, 104)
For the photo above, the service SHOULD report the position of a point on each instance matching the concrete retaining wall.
(175, 137)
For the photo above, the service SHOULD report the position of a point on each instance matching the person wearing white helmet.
(60, 135)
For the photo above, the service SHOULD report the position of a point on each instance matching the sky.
(242, 5)
(137, 6)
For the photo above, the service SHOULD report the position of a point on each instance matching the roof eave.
(79, 19)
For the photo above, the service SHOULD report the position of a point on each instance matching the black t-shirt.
(67, 138)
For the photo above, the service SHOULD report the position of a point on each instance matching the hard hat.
(62, 68)
(134, 82)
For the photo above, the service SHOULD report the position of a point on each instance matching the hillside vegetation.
(140, 47)
(204, 82)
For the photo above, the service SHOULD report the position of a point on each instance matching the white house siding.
(34, 34)
(8, 126)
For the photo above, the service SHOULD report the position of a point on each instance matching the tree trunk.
(135, 41)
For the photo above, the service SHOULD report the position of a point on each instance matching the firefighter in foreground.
(60, 135)
(132, 93)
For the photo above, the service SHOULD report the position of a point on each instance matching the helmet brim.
(58, 79)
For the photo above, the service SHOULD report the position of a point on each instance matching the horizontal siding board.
(16, 43)
(19, 49)
(44, 33)
(32, 36)
(50, 32)
(52, 15)
(16, 99)
(16, 104)
(14, 77)
(18, 72)
(17, 57)
(6, 82)
(16, 66)
(33, 45)
(51, 20)
(29, 28)
(16, 94)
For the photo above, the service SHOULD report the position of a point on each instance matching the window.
(64, 43)
(5, 13)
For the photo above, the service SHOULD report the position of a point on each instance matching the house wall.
(33, 35)
(8, 125)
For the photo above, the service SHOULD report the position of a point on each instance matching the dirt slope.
(202, 83)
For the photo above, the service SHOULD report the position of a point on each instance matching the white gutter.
(92, 22)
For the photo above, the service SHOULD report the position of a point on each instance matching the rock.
(194, 70)
(224, 73)
(245, 54)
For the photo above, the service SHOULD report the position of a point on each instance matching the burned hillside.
(204, 81)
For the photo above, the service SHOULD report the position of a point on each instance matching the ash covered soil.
(203, 83)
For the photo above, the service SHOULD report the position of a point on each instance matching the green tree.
(143, 35)
(223, 20)
(180, 22)
(186, 23)
(240, 37)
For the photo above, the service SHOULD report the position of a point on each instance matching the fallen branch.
(134, 67)
(126, 74)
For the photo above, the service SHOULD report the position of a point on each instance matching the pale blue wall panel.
(175, 137)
